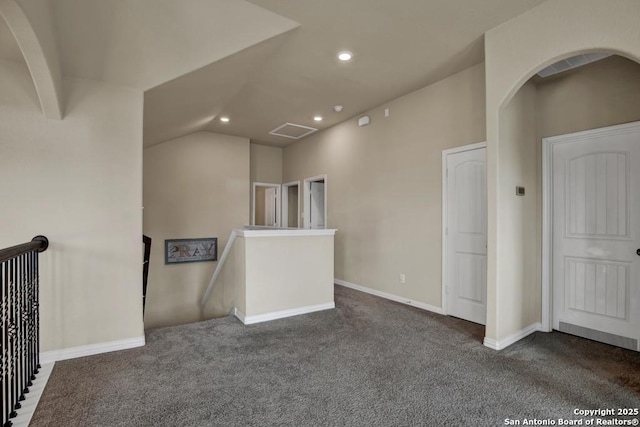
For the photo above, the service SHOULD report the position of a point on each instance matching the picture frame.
(179, 251)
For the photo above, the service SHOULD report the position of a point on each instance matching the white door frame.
(547, 207)
(307, 207)
(253, 200)
(445, 190)
(285, 203)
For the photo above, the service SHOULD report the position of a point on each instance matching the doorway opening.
(266, 204)
(315, 202)
(560, 238)
(291, 204)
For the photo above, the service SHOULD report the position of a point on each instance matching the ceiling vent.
(570, 63)
(292, 131)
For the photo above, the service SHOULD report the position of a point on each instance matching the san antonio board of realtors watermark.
(190, 250)
(584, 417)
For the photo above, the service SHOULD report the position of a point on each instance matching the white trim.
(305, 195)
(284, 232)
(547, 205)
(547, 234)
(444, 201)
(391, 297)
(33, 397)
(285, 203)
(259, 318)
(517, 336)
(445, 189)
(585, 135)
(238, 314)
(463, 148)
(90, 350)
(278, 188)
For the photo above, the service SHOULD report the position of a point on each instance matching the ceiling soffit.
(193, 101)
(145, 43)
(399, 47)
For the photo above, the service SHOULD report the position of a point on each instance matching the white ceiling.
(145, 43)
(266, 62)
(399, 46)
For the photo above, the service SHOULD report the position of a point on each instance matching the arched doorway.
(596, 299)
(515, 51)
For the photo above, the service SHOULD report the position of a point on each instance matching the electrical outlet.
(403, 278)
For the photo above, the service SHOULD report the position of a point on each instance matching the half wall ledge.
(279, 273)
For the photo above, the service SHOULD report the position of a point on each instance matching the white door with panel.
(466, 235)
(270, 207)
(596, 234)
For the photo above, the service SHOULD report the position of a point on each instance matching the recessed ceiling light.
(337, 108)
(345, 55)
(318, 118)
(224, 119)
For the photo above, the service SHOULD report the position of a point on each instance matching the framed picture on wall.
(177, 251)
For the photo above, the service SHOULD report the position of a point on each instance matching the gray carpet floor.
(369, 362)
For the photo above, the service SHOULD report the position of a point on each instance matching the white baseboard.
(259, 318)
(90, 350)
(391, 297)
(33, 397)
(506, 342)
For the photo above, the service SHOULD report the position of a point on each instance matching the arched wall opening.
(516, 51)
(596, 95)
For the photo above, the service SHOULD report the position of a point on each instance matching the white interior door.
(466, 235)
(270, 204)
(596, 233)
(316, 204)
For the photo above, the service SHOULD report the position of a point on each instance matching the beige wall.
(79, 182)
(266, 167)
(194, 186)
(384, 183)
(514, 51)
(285, 273)
(601, 94)
(520, 236)
(266, 164)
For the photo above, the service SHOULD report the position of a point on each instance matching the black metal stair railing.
(145, 268)
(20, 343)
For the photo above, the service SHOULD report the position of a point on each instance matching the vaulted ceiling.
(398, 46)
(263, 63)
